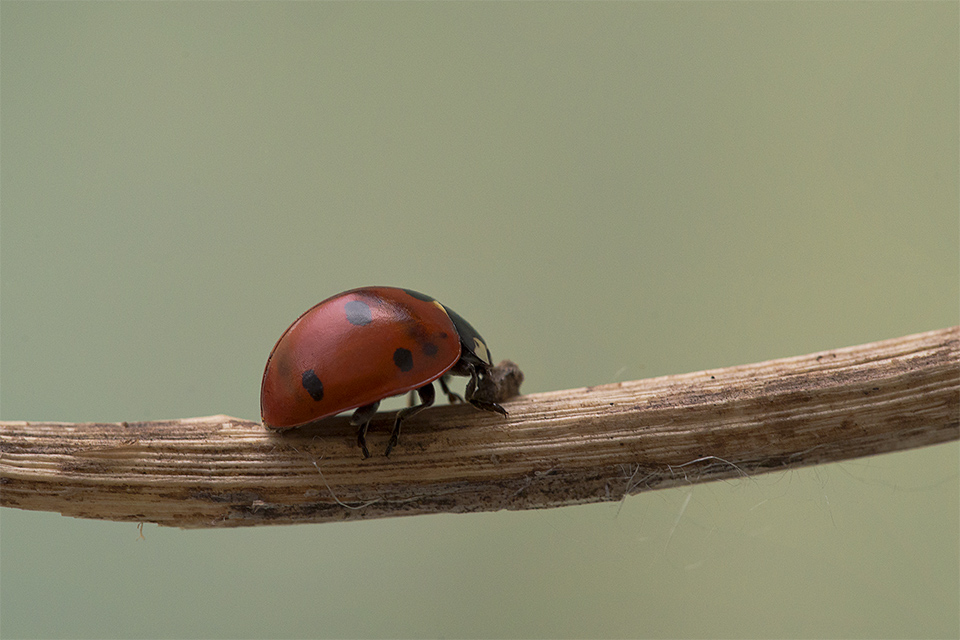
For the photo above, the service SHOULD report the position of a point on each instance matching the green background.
(606, 191)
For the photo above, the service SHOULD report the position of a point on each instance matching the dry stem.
(564, 447)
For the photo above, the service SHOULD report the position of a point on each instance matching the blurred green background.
(607, 191)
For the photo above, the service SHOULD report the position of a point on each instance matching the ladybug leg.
(471, 393)
(427, 396)
(361, 419)
(452, 397)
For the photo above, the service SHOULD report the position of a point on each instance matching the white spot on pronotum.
(481, 350)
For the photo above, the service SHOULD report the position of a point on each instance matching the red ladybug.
(355, 349)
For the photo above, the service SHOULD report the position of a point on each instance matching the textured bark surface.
(560, 448)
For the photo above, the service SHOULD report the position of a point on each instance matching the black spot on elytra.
(312, 384)
(403, 359)
(430, 349)
(358, 313)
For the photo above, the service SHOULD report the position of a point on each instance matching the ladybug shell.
(355, 349)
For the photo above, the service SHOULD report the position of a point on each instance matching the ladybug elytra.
(355, 349)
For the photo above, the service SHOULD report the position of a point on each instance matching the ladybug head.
(472, 344)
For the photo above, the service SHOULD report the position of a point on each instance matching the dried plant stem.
(559, 448)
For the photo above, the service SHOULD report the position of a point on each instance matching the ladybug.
(355, 349)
